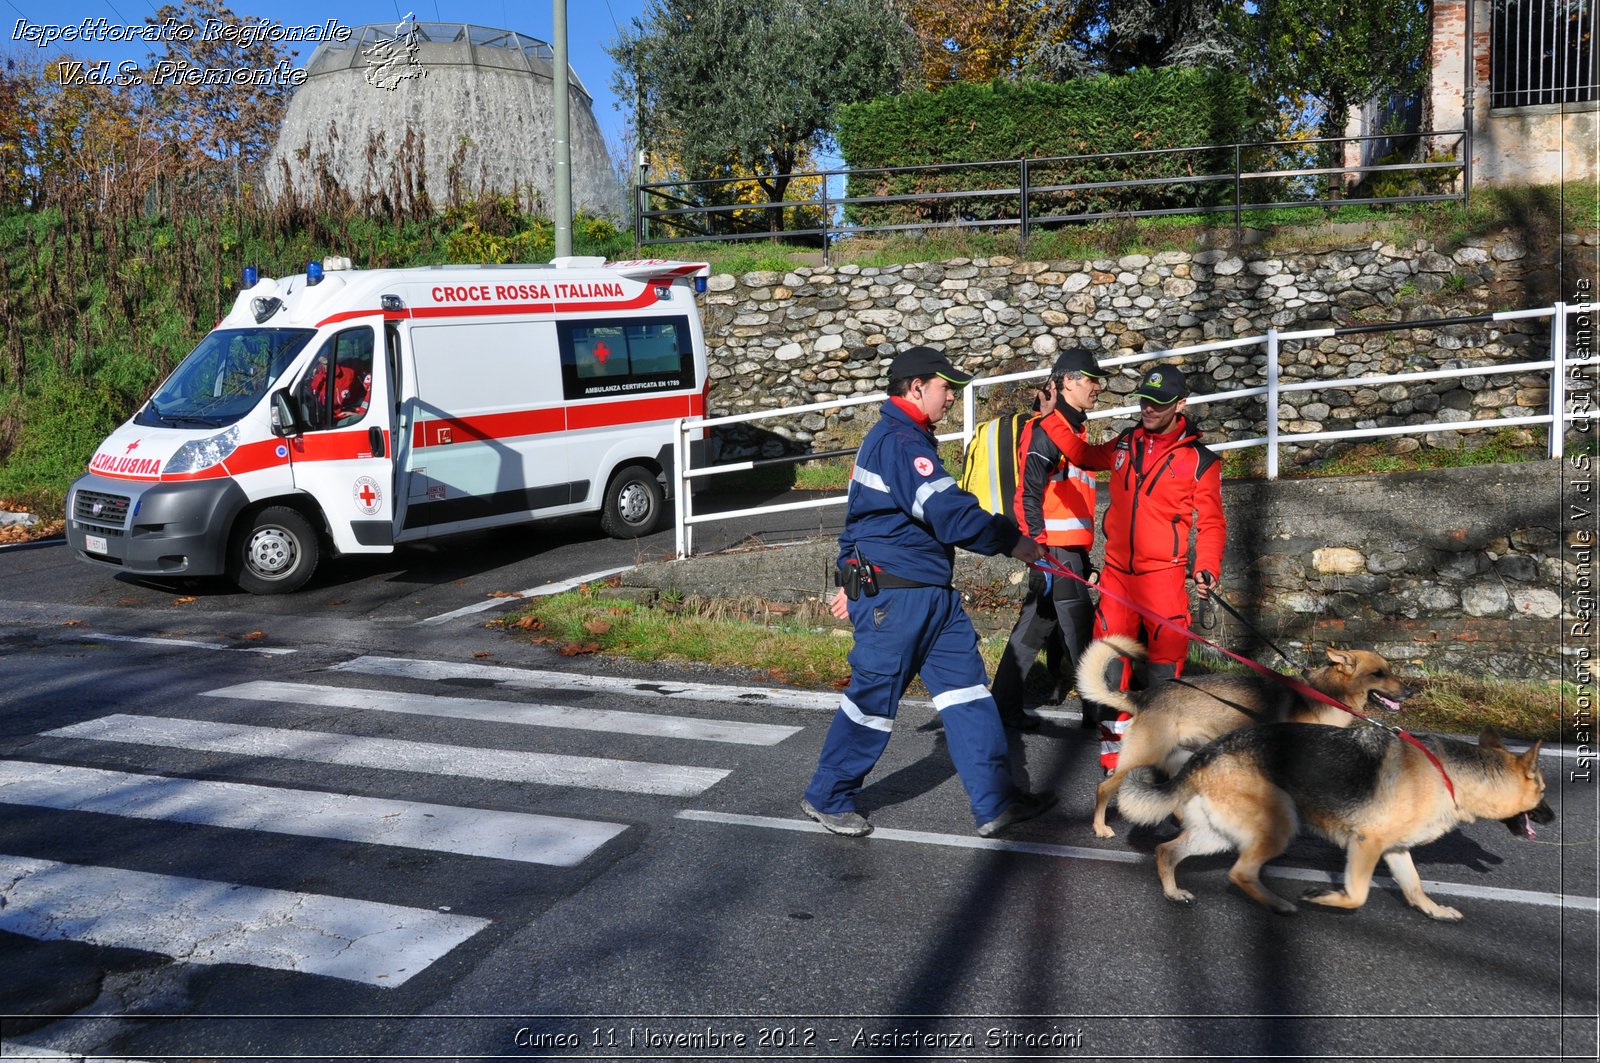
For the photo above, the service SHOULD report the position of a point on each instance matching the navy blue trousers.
(901, 634)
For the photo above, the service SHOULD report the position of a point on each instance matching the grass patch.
(803, 645)
(1459, 704)
(785, 643)
(1503, 446)
(738, 256)
(1451, 703)
(1540, 210)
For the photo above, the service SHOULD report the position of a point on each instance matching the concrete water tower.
(480, 98)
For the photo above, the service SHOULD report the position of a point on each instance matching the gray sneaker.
(851, 824)
(1026, 806)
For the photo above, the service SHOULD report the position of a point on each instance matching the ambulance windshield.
(224, 378)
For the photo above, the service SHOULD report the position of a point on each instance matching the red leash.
(1055, 568)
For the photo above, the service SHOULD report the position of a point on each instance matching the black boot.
(1161, 673)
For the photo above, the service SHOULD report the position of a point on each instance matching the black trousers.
(1064, 613)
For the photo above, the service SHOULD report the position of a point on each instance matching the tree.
(1341, 52)
(227, 116)
(757, 80)
(1121, 36)
(64, 141)
(980, 40)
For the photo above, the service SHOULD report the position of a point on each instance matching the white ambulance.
(352, 410)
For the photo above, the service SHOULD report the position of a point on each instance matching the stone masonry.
(812, 334)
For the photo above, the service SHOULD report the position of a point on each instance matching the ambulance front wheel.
(274, 552)
(635, 504)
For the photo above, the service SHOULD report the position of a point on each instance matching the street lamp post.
(563, 145)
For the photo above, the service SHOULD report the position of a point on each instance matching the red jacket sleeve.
(1211, 527)
(1095, 457)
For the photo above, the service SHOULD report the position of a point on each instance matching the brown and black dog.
(1362, 788)
(1184, 714)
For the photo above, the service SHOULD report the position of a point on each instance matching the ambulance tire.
(274, 551)
(635, 504)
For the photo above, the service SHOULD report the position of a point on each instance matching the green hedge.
(1151, 109)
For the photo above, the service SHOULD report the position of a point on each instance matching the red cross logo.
(368, 496)
(601, 353)
(131, 446)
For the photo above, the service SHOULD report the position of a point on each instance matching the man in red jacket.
(1163, 483)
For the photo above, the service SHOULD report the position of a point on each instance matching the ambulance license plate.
(94, 544)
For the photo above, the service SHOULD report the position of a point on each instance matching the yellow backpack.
(990, 467)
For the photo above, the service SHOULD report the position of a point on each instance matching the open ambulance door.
(344, 455)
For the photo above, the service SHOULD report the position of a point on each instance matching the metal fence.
(1543, 52)
(1559, 363)
(1028, 194)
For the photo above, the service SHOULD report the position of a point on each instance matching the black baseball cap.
(1077, 360)
(925, 362)
(1162, 385)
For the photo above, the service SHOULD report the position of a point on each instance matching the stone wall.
(1472, 570)
(787, 339)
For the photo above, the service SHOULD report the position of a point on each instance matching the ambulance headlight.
(200, 454)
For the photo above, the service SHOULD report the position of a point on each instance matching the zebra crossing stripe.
(582, 719)
(388, 754)
(632, 688)
(204, 922)
(21, 1052)
(518, 836)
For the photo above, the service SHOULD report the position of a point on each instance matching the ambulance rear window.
(625, 356)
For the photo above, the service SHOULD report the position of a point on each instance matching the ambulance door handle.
(375, 435)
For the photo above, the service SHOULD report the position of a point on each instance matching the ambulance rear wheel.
(635, 504)
(274, 552)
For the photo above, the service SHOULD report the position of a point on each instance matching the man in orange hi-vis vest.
(1055, 507)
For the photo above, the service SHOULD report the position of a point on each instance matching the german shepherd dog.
(1360, 787)
(1186, 713)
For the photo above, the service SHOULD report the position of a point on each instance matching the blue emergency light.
(251, 276)
(313, 273)
(700, 286)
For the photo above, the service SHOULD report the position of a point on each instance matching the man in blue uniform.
(904, 518)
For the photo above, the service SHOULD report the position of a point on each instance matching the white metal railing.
(1558, 364)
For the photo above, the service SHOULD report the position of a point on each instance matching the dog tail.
(1149, 797)
(1092, 685)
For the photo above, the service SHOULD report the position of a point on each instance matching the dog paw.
(1181, 896)
(1443, 913)
(1102, 831)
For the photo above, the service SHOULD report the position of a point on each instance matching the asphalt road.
(354, 823)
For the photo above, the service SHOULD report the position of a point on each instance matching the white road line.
(388, 754)
(581, 719)
(203, 922)
(516, 836)
(534, 678)
(188, 644)
(532, 592)
(1121, 856)
(22, 1052)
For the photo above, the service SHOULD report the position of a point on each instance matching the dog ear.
(1530, 759)
(1344, 660)
(1490, 739)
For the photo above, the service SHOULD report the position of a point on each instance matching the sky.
(592, 25)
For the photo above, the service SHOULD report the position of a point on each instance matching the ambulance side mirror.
(284, 422)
